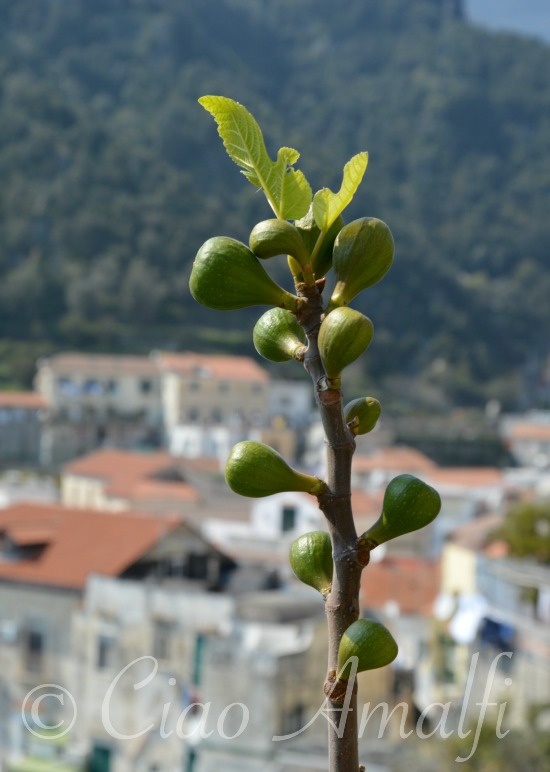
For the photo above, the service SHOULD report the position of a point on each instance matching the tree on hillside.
(99, 160)
(526, 531)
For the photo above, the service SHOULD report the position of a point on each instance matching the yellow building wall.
(458, 570)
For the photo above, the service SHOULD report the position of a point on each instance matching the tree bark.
(342, 603)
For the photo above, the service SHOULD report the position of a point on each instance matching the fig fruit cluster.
(228, 274)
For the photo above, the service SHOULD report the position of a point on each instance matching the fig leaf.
(328, 205)
(287, 190)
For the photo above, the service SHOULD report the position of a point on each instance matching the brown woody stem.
(342, 603)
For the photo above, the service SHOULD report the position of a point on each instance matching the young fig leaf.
(409, 504)
(369, 641)
(344, 335)
(226, 275)
(278, 237)
(255, 470)
(321, 260)
(311, 560)
(328, 205)
(362, 414)
(362, 254)
(287, 190)
(278, 336)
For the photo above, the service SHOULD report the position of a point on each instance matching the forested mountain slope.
(112, 175)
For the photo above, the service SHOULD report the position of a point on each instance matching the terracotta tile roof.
(100, 364)
(366, 504)
(80, 542)
(111, 463)
(474, 535)
(529, 431)
(411, 582)
(398, 459)
(27, 400)
(149, 490)
(366, 508)
(133, 476)
(496, 549)
(223, 368)
(25, 534)
(465, 477)
(204, 464)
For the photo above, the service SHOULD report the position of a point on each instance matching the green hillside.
(112, 175)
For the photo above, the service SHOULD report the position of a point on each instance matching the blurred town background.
(120, 397)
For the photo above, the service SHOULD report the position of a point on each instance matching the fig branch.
(342, 602)
(228, 275)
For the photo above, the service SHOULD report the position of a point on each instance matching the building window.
(111, 387)
(162, 634)
(293, 720)
(289, 518)
(92, 387)
(197, 566)
(146, 386)
(224, 386)
(34, 651)
(106, 646)
(67, 387)
(194, 415)
(194, 386)
(216, 416)
(100, 759)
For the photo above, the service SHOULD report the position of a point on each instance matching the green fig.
(343, 336)
(226, 275)
(362, 254)
(409, 504)
(369, 641)
(311, 560)
(278, 336)
(309, 231)
(278, 237)
(255, 470)
(362, 414)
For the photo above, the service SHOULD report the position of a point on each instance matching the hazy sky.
(529, 16)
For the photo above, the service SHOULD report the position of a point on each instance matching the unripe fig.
(278, 237)
(343, 336)
(362, 254)
(226, 275)
(254, 469)
(409, 504)
(362, 414)
(369, 641)
(278, 336)
(309, 231)
(311, 560)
